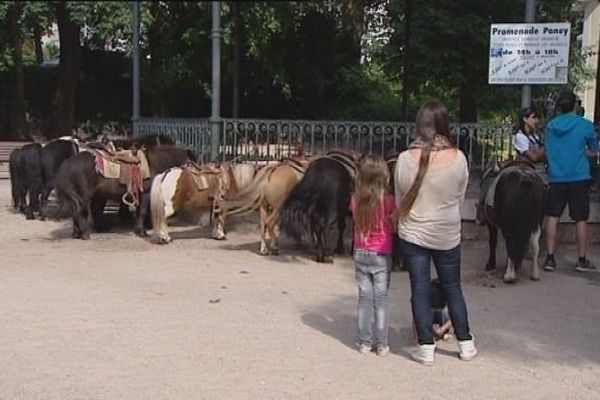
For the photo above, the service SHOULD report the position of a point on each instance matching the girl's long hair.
(432, 120)
(526, 113)
(372, 184)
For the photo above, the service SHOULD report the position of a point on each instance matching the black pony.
(52, 156)
(26, 179)
(515, 204)
(318, 201)
(82, 192)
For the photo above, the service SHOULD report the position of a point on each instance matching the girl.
(527, 143)
(371, 207)
(431, 180)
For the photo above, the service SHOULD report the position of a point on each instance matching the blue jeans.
(373, 279)
(447, 264)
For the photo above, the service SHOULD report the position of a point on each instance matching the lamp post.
(529, 17)
(136, 65)
(215, 118)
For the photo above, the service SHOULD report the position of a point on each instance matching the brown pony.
(199, 188)
(267, 192)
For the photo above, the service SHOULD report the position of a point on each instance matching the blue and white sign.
(523, 54)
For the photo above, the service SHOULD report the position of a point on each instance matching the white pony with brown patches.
(197, 188)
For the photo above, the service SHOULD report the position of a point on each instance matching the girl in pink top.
(371, 207)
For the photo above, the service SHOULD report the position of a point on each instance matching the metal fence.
(269, 139)
(192, 133)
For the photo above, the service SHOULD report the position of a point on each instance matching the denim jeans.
(447, 265)
(373, 279)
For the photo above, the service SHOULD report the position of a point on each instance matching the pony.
(267, 192)
(26, 178)
(201, 188)
(82, 191)
(319, 201)
(515, 204)
(52, 155)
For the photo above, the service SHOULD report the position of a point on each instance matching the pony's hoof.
(85, 236)
(29, 217)
(141, 233)
(220, 237)
(490, 267)
(325, 260)
(274, 252)
(535, 278)
(508, 281)
(164, 240)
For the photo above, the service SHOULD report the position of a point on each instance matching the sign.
(523, 54)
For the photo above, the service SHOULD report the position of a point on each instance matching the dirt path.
(117, 317)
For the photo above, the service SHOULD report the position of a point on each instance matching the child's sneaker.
(549, 264)
(364, 348)
(383, 351)
(585, 266)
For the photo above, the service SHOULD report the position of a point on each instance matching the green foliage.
(299, 59)
(364, 93)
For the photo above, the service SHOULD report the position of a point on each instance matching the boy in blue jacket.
(569, 140)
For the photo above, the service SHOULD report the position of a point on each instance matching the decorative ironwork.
(272, 139)
(191, 133)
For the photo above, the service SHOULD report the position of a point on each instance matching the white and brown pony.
(197, 188)
(267, 192)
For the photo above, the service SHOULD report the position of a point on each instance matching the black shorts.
(575, 194)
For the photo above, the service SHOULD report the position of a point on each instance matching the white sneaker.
(424, 354)
(467, 349)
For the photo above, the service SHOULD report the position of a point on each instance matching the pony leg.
(80, 224)
(509, 275)
(97, 213)
(341, 228)
(271, 227)
(323, 251)
(142, 212)
(46, 189)
(218, 231)
(534, 242)
(492, 241)
(264, 245)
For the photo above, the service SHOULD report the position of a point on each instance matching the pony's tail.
(157, 206)
(249, 199)
(295, 218)
(68, 204)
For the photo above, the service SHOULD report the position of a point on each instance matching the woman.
(430, 182)
(527, 143)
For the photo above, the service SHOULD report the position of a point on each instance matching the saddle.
(492, 177)
(346, 159)
(200, 174)
(129, 166)
(298, 167)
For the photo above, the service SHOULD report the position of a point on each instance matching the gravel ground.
(118, 317)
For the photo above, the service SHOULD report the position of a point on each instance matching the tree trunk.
(353, 24)
(407, 61)
(597, 101)
(17, 113)
(37, 38)
(62, 116)
(467, 108)
(236, 58)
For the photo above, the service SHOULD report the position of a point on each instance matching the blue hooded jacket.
(567, 137)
